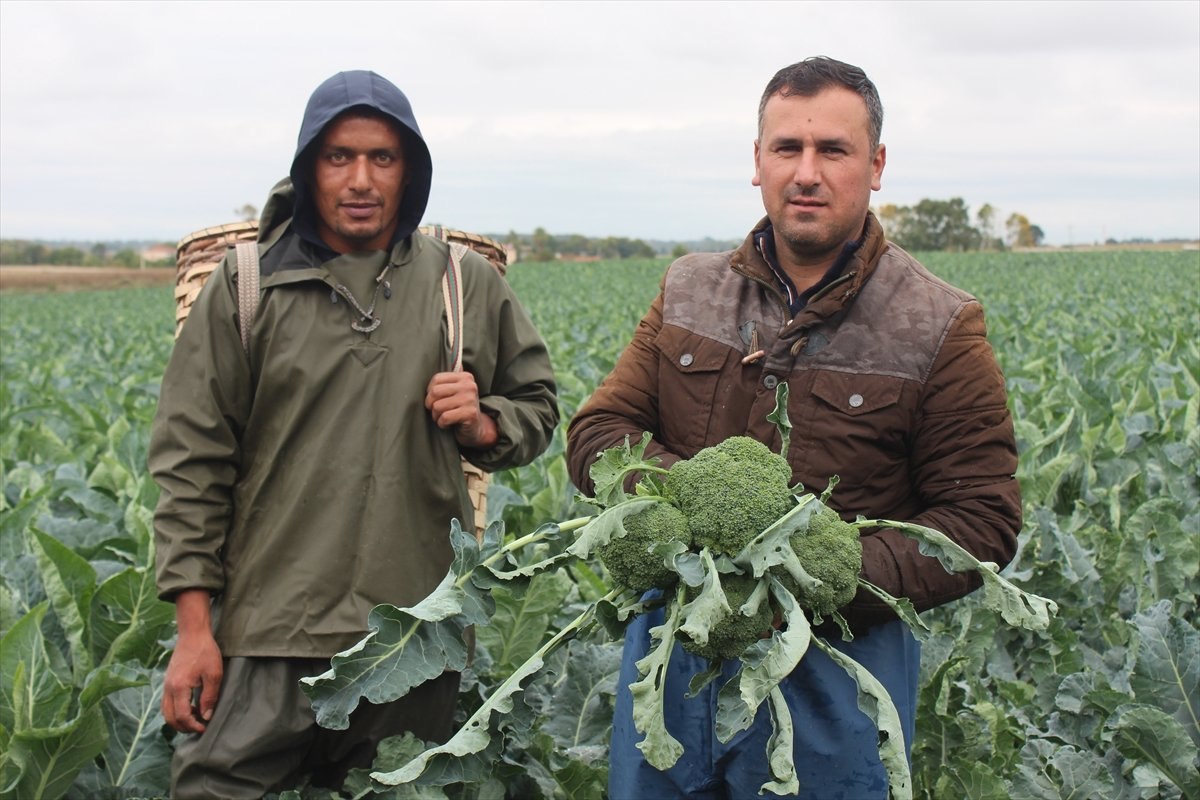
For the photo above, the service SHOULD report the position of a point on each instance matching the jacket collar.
(832, 299)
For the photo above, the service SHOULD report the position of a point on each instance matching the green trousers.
(264, 738)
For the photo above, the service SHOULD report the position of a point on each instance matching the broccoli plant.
(746, 564)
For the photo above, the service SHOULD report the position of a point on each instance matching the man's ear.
(756, 181)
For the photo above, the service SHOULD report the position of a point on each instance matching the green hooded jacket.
(304, 483)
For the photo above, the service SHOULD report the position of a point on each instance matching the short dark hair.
(814, 75)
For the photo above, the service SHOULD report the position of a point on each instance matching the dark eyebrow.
(791, 141)
(375, 151)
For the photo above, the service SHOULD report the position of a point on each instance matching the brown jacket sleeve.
(963, 462)
(625, 404)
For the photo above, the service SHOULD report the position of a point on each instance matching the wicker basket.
(200, 252)
(197, 255)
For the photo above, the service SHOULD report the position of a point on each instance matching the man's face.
(816, 167)
(358, 179)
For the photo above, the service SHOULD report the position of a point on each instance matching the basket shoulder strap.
(247, 266)
(452, 296)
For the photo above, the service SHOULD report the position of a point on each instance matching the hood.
(343, 91)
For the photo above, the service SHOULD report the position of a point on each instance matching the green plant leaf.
(1167, 671)
(708, 608)
(608, 524)
(405, 648)
(1146, 734)
(70, 582)
(128, 620)
(902, 607)
(1016, 606)
(773, 547)
(35, 689)
(49, 759)
(520, 621)
(876, 703)
(409, 646)
(474, 745)
(581, 705)
(779, 416)
(48, 764)
(970, 781)
(784, 780)
(137, 749)
(609, 471)
(739, 699)
(660, 748)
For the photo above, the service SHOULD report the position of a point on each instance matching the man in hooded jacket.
(315, 474)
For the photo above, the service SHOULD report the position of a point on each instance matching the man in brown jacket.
(892, 387)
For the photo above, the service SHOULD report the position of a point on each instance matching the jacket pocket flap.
(856, 394)
(691, 353)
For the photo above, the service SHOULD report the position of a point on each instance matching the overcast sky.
(150, 120)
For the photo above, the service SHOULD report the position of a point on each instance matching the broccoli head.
(730, 637)
(628, 558)
(730, 492)
(831, 551)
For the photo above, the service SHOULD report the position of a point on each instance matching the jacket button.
(856, 400)
(770, 381)
(686, 359)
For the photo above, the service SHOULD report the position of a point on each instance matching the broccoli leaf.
(491, 554)
(779, 416)
(709, 607)
(609, 470)
(876, 703)
(773, 546)
(779, 748)
(405, 646)
(902, 606)
(739, 699)
(399, 653)
(676, 555)
(607, 524)
(614, 618)
(475, 736)
(702, 679)
(1016, 606)
(660, 748)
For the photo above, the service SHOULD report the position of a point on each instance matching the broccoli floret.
(730, 492)
(628, 558)
(730, 637)
(831, 551)
(745, 449)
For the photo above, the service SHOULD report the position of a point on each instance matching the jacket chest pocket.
(689, 378)
(857, 427)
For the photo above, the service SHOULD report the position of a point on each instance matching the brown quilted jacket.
(893, 387)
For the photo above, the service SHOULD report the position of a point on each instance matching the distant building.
(158, 252)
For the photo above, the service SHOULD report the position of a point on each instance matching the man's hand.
(453, 400)
(195, 665)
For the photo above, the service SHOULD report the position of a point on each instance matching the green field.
(1101, 352)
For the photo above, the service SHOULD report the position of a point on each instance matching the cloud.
(628, 119)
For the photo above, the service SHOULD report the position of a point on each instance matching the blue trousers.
(835, 746)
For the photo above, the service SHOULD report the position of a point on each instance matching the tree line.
(948, 225)
(24, 252)
(544, 246)
(927, 225)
